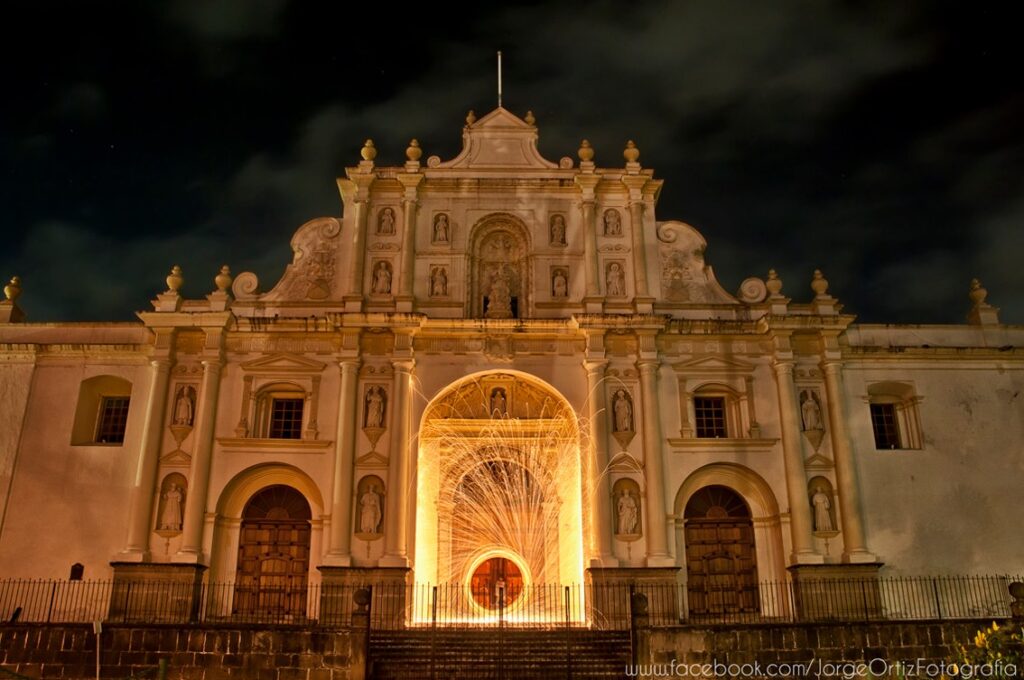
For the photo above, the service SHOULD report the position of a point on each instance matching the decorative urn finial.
(369, 151)
(819, 284)
(530, 118)
(174, 279)
(470, 117)
(13, 289)
(773, 284)
(586, 152)
(978, 293)
(223, 279)
(631, 152)
(413, 152)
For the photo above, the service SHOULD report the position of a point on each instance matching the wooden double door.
(721, 564)
(273, 556)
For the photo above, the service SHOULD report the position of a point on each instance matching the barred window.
(113, 420)
(286, 419)
(710, 417)
(883, 422)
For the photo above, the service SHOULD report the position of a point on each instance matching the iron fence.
(601, 606)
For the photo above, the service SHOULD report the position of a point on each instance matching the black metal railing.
(603, 606)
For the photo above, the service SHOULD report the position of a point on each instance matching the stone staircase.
(515, 654)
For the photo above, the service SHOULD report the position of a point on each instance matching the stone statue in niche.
(374, 407)
(615, 281)
(628, 514)
(185, 406)
(499, 402)
(822, 503)
(612, 223)
(623, 411)
(382, 278)
(439, 282)
(442, 229)
(558, 230)
(810, 410)
(369, 511)
(559, 283)
(170, 518)
(386, 222)
(499, 302)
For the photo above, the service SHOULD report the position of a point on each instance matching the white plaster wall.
(69, 503)
(15, 388)
(954, 505)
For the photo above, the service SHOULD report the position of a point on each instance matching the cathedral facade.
(499, 368)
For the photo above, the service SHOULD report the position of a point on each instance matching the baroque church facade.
(499, 368)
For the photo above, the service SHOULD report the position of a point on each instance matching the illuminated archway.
(499, 484)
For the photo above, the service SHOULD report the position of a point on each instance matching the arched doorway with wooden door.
(721, 559)
(273, 556)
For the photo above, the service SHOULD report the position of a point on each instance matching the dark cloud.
(881, 143)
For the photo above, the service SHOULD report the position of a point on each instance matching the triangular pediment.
(176, 458)
(500, 140)
(625, 462)
(284, 363)
(819, 462)
(372, 460)
(714, 365)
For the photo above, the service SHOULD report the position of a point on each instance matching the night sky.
(880, 142)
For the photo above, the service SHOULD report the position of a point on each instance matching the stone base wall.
(201, 653)
(887, 645)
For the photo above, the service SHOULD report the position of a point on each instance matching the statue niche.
(500, 272)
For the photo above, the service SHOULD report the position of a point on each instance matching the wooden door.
(273, 556)
(721, 566)
(497, 573)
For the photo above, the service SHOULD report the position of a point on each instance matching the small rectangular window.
(710, 416)
(113, 420)
(883, 422)
(286, 419)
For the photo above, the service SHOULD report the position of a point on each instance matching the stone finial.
(978, 293)
(982, 313)
(13, 289)
(819, 284)
(470, 117)
(413, 152)
(773, 284)
(174, 280)
(223, 279)
(631, 152)
(369, 151)
(530, 118)
(586, 152)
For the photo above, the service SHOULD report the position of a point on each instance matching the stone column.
(355, 282)
(600, 491)
(340, 541)
(793, 458)
(854, 544)
(396, 511)
(409, 208)
(654, 476)
(590, 248)
(636, 216)
(144, 484)
(199, 481)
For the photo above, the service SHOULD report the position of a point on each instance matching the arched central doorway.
(273, 555)
(721, 565)
(499, 497)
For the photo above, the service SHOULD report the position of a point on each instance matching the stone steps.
(481, 654)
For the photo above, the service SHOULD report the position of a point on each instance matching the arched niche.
(822, 498)
(628, 506)
(171, 504)
(500, 248)
(370, 508)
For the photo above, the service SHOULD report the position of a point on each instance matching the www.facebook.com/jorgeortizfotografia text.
(818, 668)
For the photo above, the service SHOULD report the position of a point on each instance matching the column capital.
(350, 363)
(596, 366)
(783, 366)
(404, 365)
(161, 363)
(649, 366)
(832, 367)
(212, 363)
